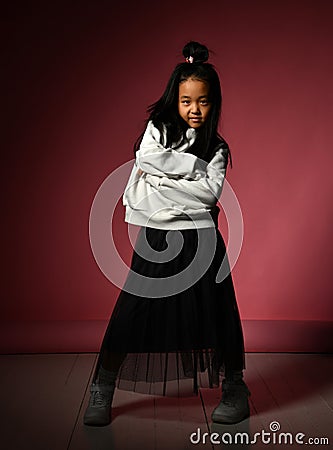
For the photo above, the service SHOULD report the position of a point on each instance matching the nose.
(195, 108)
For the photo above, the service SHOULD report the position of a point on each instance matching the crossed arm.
(168, 170)
(205, 190)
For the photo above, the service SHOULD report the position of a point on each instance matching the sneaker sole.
(91, 423)
(229, 421)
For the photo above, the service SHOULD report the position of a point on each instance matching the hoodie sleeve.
(206, 190)
(154, 159)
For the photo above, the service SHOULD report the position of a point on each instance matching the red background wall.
(77, 81)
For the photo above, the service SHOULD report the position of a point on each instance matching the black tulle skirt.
(175, 337)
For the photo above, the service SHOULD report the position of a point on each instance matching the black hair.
(164, 112)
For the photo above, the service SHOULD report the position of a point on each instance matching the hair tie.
(189, 59)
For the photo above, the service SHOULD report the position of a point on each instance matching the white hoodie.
(170, 189)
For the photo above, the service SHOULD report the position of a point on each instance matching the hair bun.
(197, 51)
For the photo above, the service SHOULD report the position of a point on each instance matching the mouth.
(195, 119)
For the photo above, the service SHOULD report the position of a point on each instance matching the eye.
(185, 102)
(204, 102)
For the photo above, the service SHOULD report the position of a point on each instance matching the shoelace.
(99, 398)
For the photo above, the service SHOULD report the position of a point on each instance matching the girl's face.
(193, 102)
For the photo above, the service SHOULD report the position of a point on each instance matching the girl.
(172, 321)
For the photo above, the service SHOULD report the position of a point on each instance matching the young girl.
(172, 321)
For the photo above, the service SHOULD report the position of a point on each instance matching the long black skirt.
(175, 327)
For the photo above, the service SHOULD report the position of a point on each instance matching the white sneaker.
(98, 412)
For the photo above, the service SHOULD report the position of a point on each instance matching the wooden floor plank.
(45, 397)
(42, 394)
(263, 386)
(268, 410)
(287, 379)
(309, 389)
(176, 418)
(133, 421)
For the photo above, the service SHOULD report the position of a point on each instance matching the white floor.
(44, 396)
